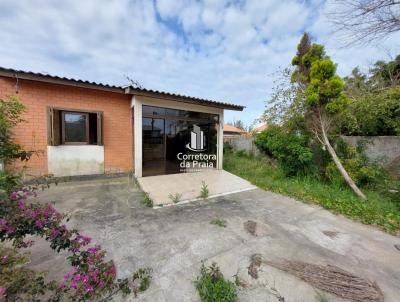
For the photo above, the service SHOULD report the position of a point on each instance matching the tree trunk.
(340, 167)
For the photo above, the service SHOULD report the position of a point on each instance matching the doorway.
(167, 133)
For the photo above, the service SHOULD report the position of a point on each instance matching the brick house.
(83, 128)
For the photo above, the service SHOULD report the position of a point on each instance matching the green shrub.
(8, 182)
(147, 201)
(291, 149)
(361, 170)
(227, 147)
(212, 287)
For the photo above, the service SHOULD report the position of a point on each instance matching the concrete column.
(220, 144)
(137, 128)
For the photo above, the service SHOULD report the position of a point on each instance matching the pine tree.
(324, 96)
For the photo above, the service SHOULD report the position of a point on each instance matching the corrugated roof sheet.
(121, 89)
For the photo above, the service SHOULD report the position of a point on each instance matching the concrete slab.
(174, 240)
(188, 185)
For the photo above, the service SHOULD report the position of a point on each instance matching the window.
(74, 127)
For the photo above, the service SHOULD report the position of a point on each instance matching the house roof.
(260, 128)
(230, 128)
(42, 77)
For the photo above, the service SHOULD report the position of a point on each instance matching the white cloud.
(223, 50)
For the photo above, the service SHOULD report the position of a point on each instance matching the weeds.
(142, 278)
(212, 286)
(147, 201)
(219, 222)
(175, 198)
(204, 192)
(321, 298)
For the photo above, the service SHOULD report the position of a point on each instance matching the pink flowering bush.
(91, 276)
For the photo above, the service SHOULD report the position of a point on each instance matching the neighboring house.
(232, 131)
(260, 128)
(84, 127)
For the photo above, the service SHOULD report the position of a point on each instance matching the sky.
(222, 50)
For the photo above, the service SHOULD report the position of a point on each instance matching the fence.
(384, 150)
(244, 143)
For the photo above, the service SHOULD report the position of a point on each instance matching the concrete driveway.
(174, 240)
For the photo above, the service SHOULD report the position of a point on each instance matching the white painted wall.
(139, 101)
(71, 160)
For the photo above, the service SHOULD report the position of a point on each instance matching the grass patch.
(147, 201)
(204, 192)
(380, 209)
(212, 286)
(219, 222)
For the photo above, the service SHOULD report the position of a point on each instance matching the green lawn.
(379, 209)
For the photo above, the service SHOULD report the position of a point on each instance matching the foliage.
(91, 276)
(306, 55)
(143, 278)
(362, 171)
(219, 222)
(8, 182)
(212, 286)
(375, 101)
(204, 192)
(289, 148)
(147, 201)
(372, 113)
(227, 147)
(175, 198)
(17, 280)
(10, 112)
(286, 104)
(379, 209)
(384, 74)
(325, 88)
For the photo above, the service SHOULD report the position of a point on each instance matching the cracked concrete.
(174, 240)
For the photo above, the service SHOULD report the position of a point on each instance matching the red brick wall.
(37, 96)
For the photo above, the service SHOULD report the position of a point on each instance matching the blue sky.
(221, 50)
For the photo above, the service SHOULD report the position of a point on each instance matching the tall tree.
(324, 97)
(363, 21)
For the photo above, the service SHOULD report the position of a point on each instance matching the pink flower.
(3, 291)
(13, 195)
(92, 250)
(22, 205)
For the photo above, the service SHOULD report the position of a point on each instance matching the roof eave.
(181, 98)
(30, 76)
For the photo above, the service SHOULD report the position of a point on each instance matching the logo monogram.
(197, 140)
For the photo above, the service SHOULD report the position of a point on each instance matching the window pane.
(151, 110)
(75, 127)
